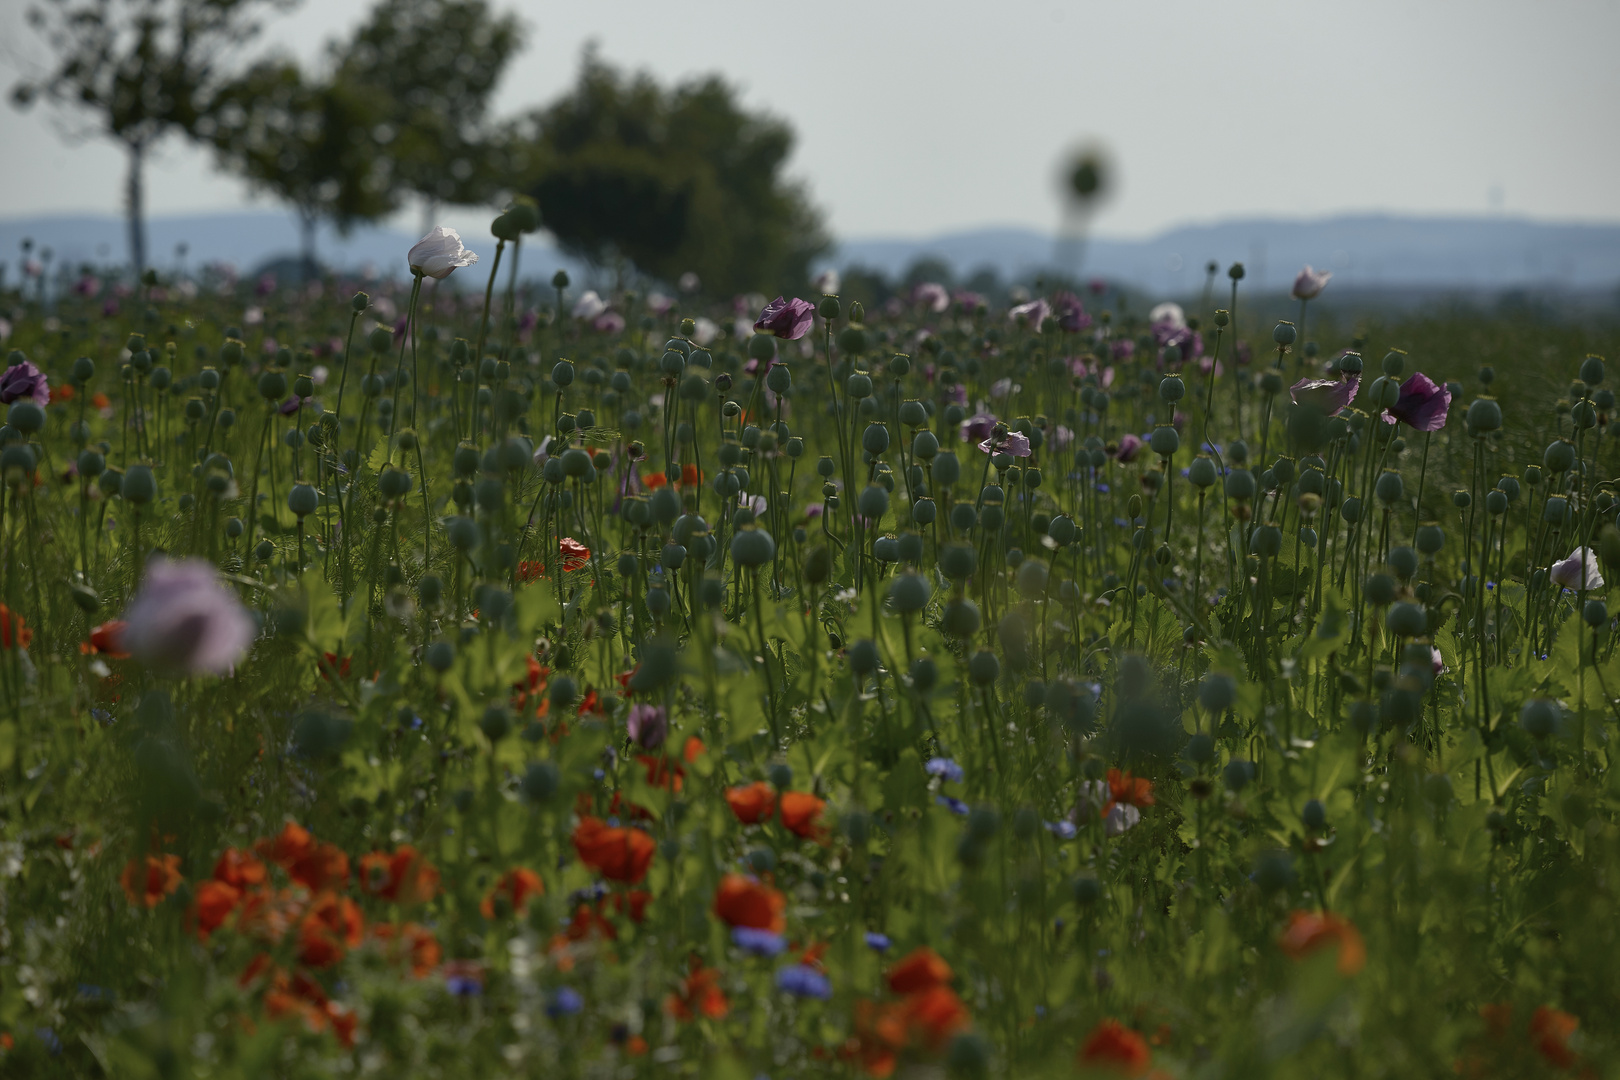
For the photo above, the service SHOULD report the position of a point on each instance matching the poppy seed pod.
(913, 413)
(1164, 441)
(1559, 457)
(947, 469)
(138, 485)
(1389, 488)
(858, 386)
(1595, 613)
(925, 446)
(863, 657)
(1394, 362)
(1240, 484)
(1484, 416)
(983, 667)
(908, 593)
(1062, 530)
(752, 547)
(1202, 472)
(817, 565)
(1496, 502)
(1032, 578)
(1266, 541)
(886, 549)
(1539, 717)
(873, 503)
(923, 511)
(1284, 333)
(961, 618)
(1406, 620)
(875, 439)
(1404, 561)
(303, 500)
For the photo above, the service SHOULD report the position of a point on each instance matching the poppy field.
(459, 676)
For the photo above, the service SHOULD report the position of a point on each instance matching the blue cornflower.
(957, 806)
(464, 985)
(1063, 830)
(802, 981)
(565, 1002)
(759, 942)
(944, 767)
(877, 941)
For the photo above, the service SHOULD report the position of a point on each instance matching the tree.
(144, 68)
(436, 63)
(317, 144)
(674, 181)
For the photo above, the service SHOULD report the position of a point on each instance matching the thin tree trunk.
(135, 208)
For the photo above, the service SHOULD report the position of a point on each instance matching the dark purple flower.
(788, 319)
(1422, 405)
(978, 427)
(1122, 348)
(1011, 443)
(24, 380)
(1329, 395)
(1129, 446)
(649, 726)
(1071, 314)
(1187, 340)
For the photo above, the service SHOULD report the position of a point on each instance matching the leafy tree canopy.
(674, 180)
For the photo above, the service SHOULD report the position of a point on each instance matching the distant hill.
(1371, 252)
(1363, 251)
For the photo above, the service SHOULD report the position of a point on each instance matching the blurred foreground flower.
(1328, 395)
(1310, 283)
(184, 621)
(1309, 931)
(440, 252)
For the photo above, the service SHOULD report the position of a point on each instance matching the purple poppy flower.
(931, 296)
(801, 980)
(24, 380)
(184, 621)
(1422, 406)
(1122, 348)
(1329, 395)
(609, 322)
(1167, 333)
(1011, 443)
(788, 319)
(968, 301)
(1034, 313)
(649, 726)
(1310, 283)
(956, 395)
(978, 427)
(1568, 573)
(758, 942)
(1129, 446)
(1071, 314)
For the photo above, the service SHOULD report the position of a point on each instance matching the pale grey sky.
(916, 119)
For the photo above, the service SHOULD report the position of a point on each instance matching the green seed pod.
(817, 565)
(1484, 416)
(873, 503)
(752, 547)
(863, 657)
(958, 561)
(1404, 561)
(440, 655)
(1032, 578)
(1240, 484)
(984, 668)
(1062, 529)
(1164, 441)
(1172, 389)
(1539, 717)
(1379, 590)
(961, 618)
(1284, 333)
(540, 782)
(875, 439)
(1265, 541)
(1202, 471)
(923, 511)
(303, 500)
(858, 386)
(25, 416)
(1217, 692)
(463, 533)
(1595, 613)
(1430, 538)
(84, 369)
(947, 470)
(1560, 457)
(138, 485)
(1406, 620)
(1388, 487)
(91, 464)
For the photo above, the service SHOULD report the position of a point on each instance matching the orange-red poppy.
(422, 947)
(801, 814)
(404, 877)
(919, 970)
(1550, 1030)
(753, 803)
(1125, 788)
(690, 477)
(239, 868)
(292, 843)
(330, 928)
(104, 641)
(934, 1015)
(617, 853)
(575, 555)
(700, 993)
(325, 866)
(512, 890)
(743, 901)
(214, 904)
(654, 480)
(1308, 931)
(1113, 1046)
(148, 881)
(333, 664)
(14, 633)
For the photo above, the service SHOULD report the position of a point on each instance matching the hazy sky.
(919, 118)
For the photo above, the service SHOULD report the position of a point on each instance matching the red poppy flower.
(753, 803)
(1550, 1029)
(743, 901)
(148, 881)
(934, 1015)
(239, 868)
(618, 854)
(575, 555)
(104, 641)
(690, 477)
(1307, 932)
(403, 877)
(801, 814)
(215, 902)
(332, 663)
(700, 993)
(1125, 788)
(14, 634)
(921, 969)
(1113, 1046)
(653, 481)
(513, 889)
(331, 927)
